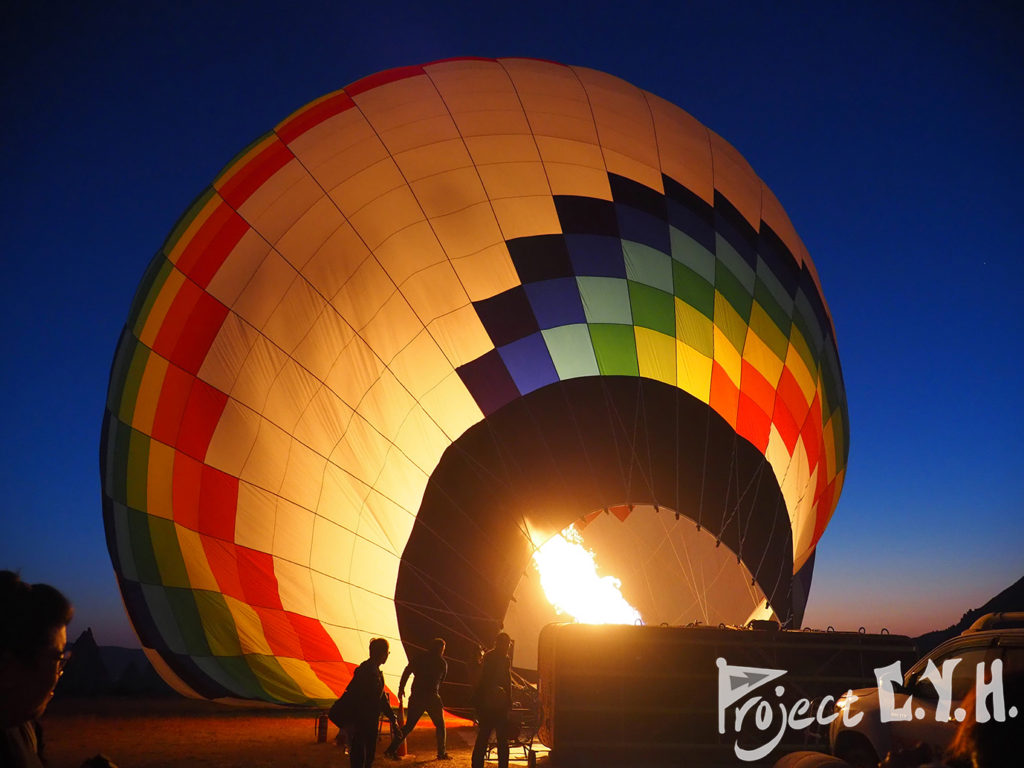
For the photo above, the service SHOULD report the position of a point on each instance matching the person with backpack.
(358, 710)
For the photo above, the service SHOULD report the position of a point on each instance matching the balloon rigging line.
(729, 511)
(670, 540)
(771, 535)
(613, 434)
(523, 525)
(460, 620)
(628, 432)
(745, 523)
(691, 575)
(678, 443)
(438, 588)
(704, 467)
(483, 533)
(690, 580)
(442, 608)
(576, 427)
(643, 414)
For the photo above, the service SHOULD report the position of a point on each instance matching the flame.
(568, 574)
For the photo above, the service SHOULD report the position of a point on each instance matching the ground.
(151, 733)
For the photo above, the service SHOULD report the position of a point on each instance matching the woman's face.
(33, 678)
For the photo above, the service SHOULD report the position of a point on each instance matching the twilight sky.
(890, 133)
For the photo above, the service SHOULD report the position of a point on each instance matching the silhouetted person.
(34, 622)
(493, 701)
(33, 638)
(428, 671)
(366, 701)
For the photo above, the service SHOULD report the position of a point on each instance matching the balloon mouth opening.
(629, 564)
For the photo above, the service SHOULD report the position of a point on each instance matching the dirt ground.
(151, 733)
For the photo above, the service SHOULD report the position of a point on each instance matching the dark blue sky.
(890, 132)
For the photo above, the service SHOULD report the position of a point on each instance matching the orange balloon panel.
(427, 316)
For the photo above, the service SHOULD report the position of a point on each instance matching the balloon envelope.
(425, 323)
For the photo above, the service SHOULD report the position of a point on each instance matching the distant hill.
(118, 659)
(96, 670)
(1010, 599)
(86, 673)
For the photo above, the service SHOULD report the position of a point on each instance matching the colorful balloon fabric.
(429, 318)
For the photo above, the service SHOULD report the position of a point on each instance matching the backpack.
(340, 712)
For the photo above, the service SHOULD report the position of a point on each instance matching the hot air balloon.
(423, 325)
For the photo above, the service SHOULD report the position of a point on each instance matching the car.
(858, 735)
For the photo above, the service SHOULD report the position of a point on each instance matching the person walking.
(428, 671)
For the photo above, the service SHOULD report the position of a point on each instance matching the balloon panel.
(392, 267)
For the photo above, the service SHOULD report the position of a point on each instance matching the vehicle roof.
(992, 621)
(974, 639)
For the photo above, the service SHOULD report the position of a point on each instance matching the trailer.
(698, 695)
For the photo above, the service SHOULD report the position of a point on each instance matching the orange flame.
(568, 575)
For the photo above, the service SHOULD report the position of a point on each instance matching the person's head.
(436, 646)
(379, 650)
(502, 643)
(33, 636)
